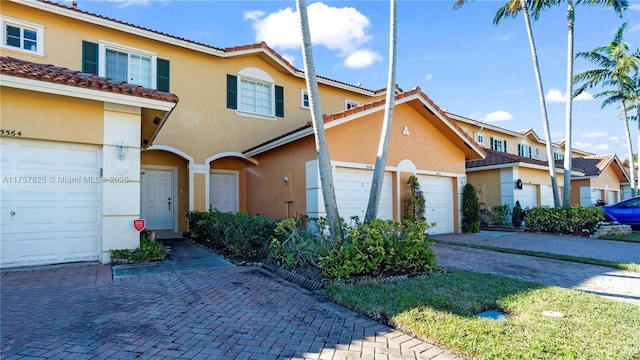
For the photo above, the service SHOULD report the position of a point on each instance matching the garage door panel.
(56, 215)
(353, 187)
(439, 197)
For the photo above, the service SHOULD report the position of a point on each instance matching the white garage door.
(438, 193)
(528, 196)
(352, 193)
(51, 202)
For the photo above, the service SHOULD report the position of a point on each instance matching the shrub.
(517, 215)
(294, 246)
(148, 251)
(500, 214)
(237, 235)
(470, 210)
(415, 204)
(380, 248)
(563, 220)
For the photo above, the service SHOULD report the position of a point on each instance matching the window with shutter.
(253, 93)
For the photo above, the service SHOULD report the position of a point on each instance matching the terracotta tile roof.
(231, 49)
(498, 158)
(59, 75)
(593, 165)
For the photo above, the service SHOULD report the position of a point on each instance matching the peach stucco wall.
(52, 117)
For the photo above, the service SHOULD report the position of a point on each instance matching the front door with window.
(157, 205)
(223, 191)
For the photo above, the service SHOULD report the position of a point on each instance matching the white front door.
(158, 205)
(223, 191)
(51, 202)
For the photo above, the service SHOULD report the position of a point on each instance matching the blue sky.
(460, 59)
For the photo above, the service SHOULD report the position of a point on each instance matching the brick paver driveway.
(224, 313)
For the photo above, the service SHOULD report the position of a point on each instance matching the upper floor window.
(498, 144)
(558, 155)
(524, 150)
(304, 99)
(125, 64)
(253, 93)
(480, 138)
(537, 152)
(348, 104)
(23, 36)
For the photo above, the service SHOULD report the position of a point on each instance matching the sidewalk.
(618, 251)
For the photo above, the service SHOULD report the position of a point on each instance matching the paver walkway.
(76, 312)
(624, 252)
(604, 281)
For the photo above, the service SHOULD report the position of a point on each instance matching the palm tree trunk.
(627, 133)
(322, 149)
(543, 106)
(385, 134)
(568, 140)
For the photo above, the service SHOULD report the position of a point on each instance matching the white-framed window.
(537, 152)
(480, 138)
(126, 64)
(524, 150)
(558, 155)
(304, 99)
(348, 104)
(498, 144)
(22, 36)
(253, 93)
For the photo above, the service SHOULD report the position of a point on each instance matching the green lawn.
(442, 308)
(583, 260)
(634, 237)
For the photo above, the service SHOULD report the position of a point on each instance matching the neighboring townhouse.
(230, 100)
(602, 181)
(424, 142)
(516, 169)
(70, 162)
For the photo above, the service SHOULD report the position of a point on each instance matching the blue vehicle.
(625, 212)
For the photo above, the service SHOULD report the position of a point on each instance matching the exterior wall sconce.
(285, 179)
(405, 131)
(519, 184)
(122, 150)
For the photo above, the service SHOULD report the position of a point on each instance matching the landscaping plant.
(470, 209)
(517, 215)
(415, 204)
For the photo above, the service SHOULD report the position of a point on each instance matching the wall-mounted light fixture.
(519, 184)
(122, 150)
(285, 179)
(405, 131)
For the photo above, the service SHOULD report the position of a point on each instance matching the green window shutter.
(232, 92)
(505, 146)
(279, 101)
(162, 81)
(89, 57)
(492, 144)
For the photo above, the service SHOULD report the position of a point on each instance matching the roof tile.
(58, 75)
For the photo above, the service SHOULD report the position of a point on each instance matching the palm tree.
(633, 99)
(512, 8)
(381, 158)
(619, 6)
(615, 68)
(322, 149)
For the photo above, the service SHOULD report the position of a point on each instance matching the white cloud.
(428, 77)
(557, 96)
(499, 115)
(601, 147)
(289, 57)
(595, 134)
(504, 37)
(634, 7)
(634, 28)
(253, 15)
(361, 58)
(127, 3)
(338, 29)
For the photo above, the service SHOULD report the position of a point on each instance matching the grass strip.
(577, 259)
(442, 308)
(634, 237)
